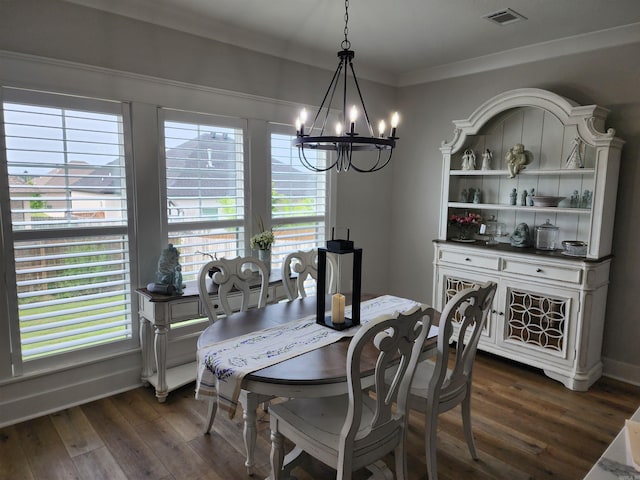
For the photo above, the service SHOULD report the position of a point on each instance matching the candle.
(381, 128)
(353, 116)
(303, 119)
(395, 119)
(337, 308)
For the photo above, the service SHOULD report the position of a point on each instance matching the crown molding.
(532, 53)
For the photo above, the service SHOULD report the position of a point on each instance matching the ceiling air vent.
(505, 17)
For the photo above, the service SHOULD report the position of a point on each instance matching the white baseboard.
(624, 372)
(37, 402)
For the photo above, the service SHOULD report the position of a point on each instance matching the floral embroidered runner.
(222, 366)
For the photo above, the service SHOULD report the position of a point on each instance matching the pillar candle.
(337, 308)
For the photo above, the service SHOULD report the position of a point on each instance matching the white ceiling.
(399, 42)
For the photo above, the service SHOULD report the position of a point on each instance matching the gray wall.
(608, 77)
(60, 30)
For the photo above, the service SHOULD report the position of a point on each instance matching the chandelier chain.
(346, 44)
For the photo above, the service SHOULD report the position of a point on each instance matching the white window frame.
(17, 366)
(166, 114)
(328, 217)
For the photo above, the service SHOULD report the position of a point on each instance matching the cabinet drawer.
(184, 310)
(470, 259)
(542, 270)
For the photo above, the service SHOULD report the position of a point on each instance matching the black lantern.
(337, 320)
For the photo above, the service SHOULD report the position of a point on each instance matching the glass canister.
(547, 236)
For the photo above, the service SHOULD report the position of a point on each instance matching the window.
(205, 186)
(299, 199)
(68, 237)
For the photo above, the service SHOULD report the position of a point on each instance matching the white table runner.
(223, 365)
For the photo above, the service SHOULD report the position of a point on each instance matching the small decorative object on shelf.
(523, 199)
(468, 160)
(513, 196)
(574, 248)
(574, 202)
(262, 242)
(521, 237)
(465, 226)
(586, 199)
(532, 193)
(494, 229)
(464, 196)
(169, 274)
(477, 196)
(486, 159)
(547, 236)
(576, 155)
(337, 320)
(546, 201)
(517, 159)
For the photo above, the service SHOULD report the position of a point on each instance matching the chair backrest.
(302, 265)
(238, 275)
(469, 308)
(398, 340)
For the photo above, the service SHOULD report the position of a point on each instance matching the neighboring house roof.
(203, 166)
(199, 167)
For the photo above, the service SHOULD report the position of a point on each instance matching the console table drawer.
(541, 270)
(471, 260)
(184, 310)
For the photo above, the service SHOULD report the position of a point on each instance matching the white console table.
(613, 464)
(157, 312)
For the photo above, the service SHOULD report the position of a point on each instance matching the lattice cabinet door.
(539, 321)
(453, 281)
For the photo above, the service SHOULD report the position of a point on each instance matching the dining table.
(320, 372)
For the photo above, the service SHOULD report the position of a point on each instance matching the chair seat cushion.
(422, 377)
(321, 419)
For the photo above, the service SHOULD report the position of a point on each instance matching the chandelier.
(345, 141)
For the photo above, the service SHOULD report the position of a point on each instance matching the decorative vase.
(466, 232)
(265, 257)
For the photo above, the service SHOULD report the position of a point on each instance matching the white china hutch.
(549, 310)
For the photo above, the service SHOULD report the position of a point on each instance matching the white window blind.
(298, 199)
(205, 186)
(66, 174)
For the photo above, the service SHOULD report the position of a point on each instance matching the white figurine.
(576, 156)
(486, 159)
(517, 159)
(468, 160)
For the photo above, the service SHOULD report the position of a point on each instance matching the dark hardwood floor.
(526, 426)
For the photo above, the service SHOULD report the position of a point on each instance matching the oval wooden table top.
(323, 366)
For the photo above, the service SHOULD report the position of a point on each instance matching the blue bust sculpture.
(521, 236)
(169, 269)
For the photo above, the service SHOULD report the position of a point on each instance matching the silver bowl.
(574, 248)
(545, 201)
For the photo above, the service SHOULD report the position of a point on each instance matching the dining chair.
(233, 275)
(354, 430)
(440, 385)
(299, 266)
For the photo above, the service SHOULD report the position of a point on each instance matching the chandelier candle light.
(345, 141)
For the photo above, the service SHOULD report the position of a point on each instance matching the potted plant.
(466, 226)
(262, 242)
